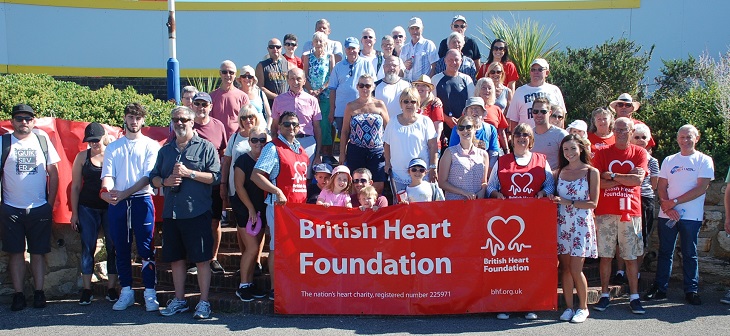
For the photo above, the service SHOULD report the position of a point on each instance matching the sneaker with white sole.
(126, 299)
(530, 316)
(503, 316)
(150, 300)
(726, 298)
(202, 310)
(174, 306)
(580, 316)
(567, 315)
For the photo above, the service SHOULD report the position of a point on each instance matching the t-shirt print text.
(26, 161)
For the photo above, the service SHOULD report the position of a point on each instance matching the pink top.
(341, 199)
(226, 105)
(303, 104)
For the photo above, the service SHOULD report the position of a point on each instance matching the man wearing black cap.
(27, 202)
(212, 130)
(470, 49)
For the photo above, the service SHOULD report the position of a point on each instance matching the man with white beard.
(390, 87)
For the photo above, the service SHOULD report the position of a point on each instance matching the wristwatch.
(192, 175)
(433, 166)
(613, 176)
(676, 201)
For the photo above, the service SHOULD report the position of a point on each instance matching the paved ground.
(671, 317)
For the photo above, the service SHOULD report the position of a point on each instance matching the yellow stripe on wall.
(105, 72)
(356, 5)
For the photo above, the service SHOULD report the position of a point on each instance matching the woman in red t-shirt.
(431, 106)
(600, 133)
(500, 53)
(485, 89)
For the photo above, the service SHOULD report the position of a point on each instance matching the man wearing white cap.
(547, 136)
(470, 49)
(391, 86)
(625, 106)
(420, 55)
(520, 109)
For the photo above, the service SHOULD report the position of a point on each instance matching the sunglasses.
(540, 111)
(363, 85)
(359, 181)
(247, 76)
(22, 118)
(643, 137)
(499, 48)
(464, 127)
(273, 46)
(182, 120)
(459, 26)
(290, 44)
(492, 72)
(249, 117)
(559, 117)
(203, 104)
(368, 37)
(537, 69)
(521, 135)
(620, 104)
(418, 170)
(290, 124)
(397, 36)
(229, 72)
(93, 141)
(257, 140)
(409, 102)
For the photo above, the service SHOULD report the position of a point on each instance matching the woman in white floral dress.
(577, 189)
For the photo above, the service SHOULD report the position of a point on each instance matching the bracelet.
(103, 190)
(572, 202)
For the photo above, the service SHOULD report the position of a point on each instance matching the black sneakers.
(112, 295)
(693, 299)
(654, 293)
(39, 299)
(216, 267)
(86, 297)
(18, 302)
(245, 293)
(618, 279)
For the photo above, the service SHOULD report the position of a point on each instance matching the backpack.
(7, 142)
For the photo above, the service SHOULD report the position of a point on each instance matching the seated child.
(337, 190)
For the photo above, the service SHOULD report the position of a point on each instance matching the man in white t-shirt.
(27, 203)
(547, 136)
(125, 185)
(520, 108)
(391, 86)
(683, 181)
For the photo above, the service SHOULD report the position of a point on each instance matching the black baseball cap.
(93, 132)
(22, 108)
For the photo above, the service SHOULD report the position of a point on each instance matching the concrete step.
(228, 281)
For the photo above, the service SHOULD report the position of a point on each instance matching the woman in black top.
(89, 212)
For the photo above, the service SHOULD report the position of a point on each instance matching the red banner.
(450, 257)
(67, 137)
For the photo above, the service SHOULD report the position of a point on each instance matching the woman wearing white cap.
(249, 85)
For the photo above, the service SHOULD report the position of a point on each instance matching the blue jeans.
(90, 221)
(688, 231)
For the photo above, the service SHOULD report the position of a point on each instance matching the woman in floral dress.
(318, 65)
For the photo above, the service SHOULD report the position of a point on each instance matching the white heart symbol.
(620, 163)
(521, 188)
(499, 246)
(300, 169)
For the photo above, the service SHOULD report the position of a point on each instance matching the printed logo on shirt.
(677, 169)
(621, 164)
(26, 161)
(300, 177)
(521, 183)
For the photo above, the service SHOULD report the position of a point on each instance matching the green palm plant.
(205, 83)
(527, 40)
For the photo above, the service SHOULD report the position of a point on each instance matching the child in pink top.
(337, 190)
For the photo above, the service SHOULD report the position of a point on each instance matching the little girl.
(337, 190)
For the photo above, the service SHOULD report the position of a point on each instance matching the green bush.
(593, 77)
(70, 101)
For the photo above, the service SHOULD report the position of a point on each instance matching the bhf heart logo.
(494, 244)
(300, 172)
(521, 183)
(621, 164)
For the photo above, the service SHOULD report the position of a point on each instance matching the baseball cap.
(541, 62)
(579, 125)
(474, 101)
(202, 96)
(341, 169)
(322, 168)
(458, 18)
(247, 69)
(415, 21)
(417, 162)
(93, 132)
(352, 42)
(22, 108)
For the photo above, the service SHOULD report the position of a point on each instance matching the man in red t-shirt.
(618, 214)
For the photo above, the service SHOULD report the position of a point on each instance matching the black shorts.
(217, 207)
(188, 239)
(241, 212)
(33, 225)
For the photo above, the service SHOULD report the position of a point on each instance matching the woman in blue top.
(486, 135)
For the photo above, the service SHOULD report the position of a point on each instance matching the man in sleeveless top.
(271, 72)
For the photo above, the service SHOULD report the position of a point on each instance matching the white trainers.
(567, 315)
(202, 310)
(580, 316)
(503, 316)
(126, 299)
(174, 306)
(530, 316)
(150, 300)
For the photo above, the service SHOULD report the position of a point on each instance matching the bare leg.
(203, 278)
(38, 267)
(579, 280)
(249, 253)
(86, 279)
(567, 279)
(178, 278)
(605, 269)
(16, 264)
(632, 273)
(215, 226)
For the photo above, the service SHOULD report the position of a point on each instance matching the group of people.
(410, 115)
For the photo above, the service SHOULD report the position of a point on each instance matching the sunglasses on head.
(290, 44)
(492, 72)
(364, 85)
(246, 76)
(274, 46)
(228, 72)
(464, 127)
(22, 118)
(359, 181)
(182, 120)
(409, 102)
(540, 111)
(257, 140)
(459, 26)
(499, 48)
(290, 124)
(249, 117)
(203, 104)
(418, 170)
(521, 135)
(620, 104)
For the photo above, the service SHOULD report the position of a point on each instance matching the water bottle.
(671, 223)
(175, 189)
